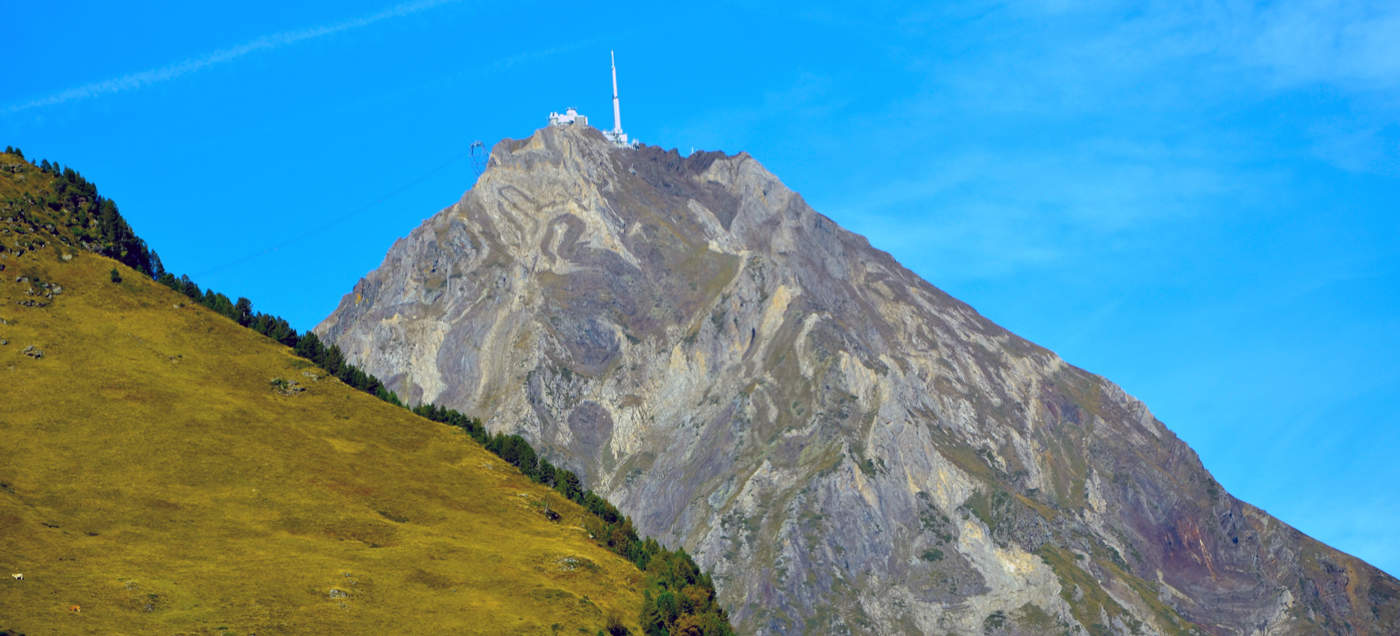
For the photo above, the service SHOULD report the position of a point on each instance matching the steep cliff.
(845, 446)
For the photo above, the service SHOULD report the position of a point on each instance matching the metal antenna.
(617, 106)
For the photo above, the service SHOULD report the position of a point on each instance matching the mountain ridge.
(847, 448)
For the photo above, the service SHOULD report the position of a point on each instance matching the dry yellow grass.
(153, 476)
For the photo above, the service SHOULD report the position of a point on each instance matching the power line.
(331, 224)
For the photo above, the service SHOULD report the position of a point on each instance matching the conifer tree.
(243, 311)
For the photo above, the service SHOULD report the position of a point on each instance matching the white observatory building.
(571, 116)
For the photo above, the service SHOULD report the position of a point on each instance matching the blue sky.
(1196, 200)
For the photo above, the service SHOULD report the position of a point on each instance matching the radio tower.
(616, 135)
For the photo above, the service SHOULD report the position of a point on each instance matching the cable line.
(328, 225)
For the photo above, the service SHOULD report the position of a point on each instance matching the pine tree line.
(678, 598)
(94, 220)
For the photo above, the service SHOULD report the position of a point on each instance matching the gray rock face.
(845, 447)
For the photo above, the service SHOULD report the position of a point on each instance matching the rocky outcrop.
(846, 447)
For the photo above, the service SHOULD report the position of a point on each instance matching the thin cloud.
(145, 78)
(1327, 42)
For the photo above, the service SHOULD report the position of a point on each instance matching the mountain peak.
(580, 156)
(845, 446)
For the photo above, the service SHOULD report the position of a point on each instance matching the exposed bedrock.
(844, 446)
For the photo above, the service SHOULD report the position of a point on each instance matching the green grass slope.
(156, 476)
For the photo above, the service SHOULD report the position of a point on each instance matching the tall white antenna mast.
(616, 135)
(617, 106)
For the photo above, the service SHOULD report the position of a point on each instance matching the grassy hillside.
(159, 470)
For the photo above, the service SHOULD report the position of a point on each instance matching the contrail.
(141, 79)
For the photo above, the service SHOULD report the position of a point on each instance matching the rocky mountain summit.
(846, 447)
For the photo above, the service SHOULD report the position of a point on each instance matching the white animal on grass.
(18, 576)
